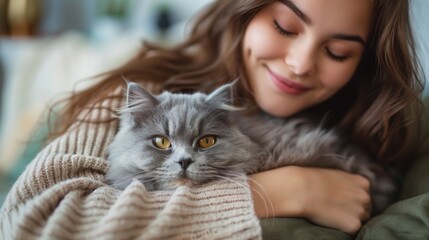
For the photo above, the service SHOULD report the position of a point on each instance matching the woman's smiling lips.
(286, 85)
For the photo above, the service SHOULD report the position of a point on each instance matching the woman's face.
(298, 53)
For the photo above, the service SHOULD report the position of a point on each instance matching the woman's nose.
(300, 57)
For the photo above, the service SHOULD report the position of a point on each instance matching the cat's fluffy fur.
(244, 144)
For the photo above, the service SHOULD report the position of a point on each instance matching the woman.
(349, 62)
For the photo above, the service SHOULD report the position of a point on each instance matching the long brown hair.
(379, 108)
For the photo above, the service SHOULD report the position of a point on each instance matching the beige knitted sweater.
(62, 195)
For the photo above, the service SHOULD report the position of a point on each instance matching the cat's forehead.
(176, 100)
(168, 96)
(185, 114)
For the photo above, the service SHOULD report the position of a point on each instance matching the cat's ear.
(223, 94)
(137, 95)
(138, 101)
(222, 97)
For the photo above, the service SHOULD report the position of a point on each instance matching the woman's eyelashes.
(281, 30)
(287, 33)
(336, 57)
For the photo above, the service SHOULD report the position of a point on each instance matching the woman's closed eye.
(335, 57)
(281, 30)
(284, 32)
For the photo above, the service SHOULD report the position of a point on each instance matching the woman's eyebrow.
(355, 38)
(297, 11)
(307, 20)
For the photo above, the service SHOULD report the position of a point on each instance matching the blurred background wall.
(145, 18)
(48, 47)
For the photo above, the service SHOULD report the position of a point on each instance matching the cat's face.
(172, 140)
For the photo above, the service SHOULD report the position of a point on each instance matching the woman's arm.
(330, 198)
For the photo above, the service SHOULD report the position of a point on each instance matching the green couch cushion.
(298, 229)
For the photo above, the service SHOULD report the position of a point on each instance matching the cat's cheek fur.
(126, 161)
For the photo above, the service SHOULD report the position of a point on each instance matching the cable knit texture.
(62, 195)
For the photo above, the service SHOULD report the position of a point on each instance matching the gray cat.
(172, 140)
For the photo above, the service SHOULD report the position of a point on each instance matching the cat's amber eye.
(161, 142)
(207, 141)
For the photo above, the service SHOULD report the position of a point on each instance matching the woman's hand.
(327, 197)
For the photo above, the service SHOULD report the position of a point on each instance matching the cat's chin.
(182, 182)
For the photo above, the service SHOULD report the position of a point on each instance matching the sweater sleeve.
(62, 195)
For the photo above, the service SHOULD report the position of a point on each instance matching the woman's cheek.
(338, 75)
(261, 41)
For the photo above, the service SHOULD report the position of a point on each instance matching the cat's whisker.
(207, 169)
(127, 177)
(239, 164)
(263, 195)
(238, 176)
(228, 167)
(243, 186)
(143, 176)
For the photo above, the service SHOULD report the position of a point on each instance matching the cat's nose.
(185, 162)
